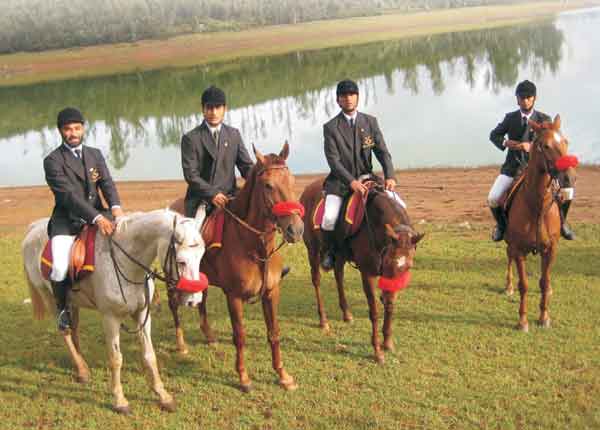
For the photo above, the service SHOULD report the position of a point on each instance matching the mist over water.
(436, 99)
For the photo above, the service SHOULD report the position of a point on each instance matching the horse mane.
(389, 206)
(241, 204)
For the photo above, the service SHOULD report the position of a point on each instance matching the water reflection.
(138, 120)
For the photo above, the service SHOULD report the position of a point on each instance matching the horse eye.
(269, 186)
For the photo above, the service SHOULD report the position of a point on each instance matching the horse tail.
(38, 306)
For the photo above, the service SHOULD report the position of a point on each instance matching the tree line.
(36, 25)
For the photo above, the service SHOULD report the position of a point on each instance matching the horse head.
(392, 227)
(181, 259)
(274, 184)
(549, 151)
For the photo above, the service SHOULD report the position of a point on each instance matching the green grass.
(460, 364)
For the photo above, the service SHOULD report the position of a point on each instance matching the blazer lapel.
(208, 142)
(345, 130)
(73, 163)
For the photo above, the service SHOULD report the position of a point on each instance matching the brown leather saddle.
(82, 255)
(212, 229)
(510, 195)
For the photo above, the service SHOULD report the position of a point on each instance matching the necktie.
(352, 123)
(78, 153)
(216, 136)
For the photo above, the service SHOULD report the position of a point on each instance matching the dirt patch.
(463, 198)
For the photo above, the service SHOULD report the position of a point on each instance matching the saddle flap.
(82, 261)
(212, 229)
(510, 195)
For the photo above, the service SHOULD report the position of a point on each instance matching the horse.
(384, 246)
(248, 264)
(115, 287)
(534, 217)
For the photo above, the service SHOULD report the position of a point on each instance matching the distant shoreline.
(204, 48)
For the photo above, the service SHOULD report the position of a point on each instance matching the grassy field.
(188, 50)
(460, 364)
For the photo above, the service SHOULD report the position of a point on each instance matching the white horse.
(144, 236)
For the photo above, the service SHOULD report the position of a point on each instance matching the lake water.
(436, 99)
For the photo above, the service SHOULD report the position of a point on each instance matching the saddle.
(353, 210)
(82, 261)
(212, 229)
(510, 195)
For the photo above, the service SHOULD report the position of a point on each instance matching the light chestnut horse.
(534, 218)
(249, 265)
(146, 237)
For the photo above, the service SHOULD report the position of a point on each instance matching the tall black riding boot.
(565, 229)
(328, 250)
(60, 290)
(501, 221)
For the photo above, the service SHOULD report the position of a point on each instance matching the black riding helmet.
(213, 96)
(346, 87)
(526, 89)
(69, 115)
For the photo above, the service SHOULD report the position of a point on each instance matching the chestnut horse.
(384, 246)
(534, 218)
(248, 264)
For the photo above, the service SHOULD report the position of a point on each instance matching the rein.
(262, 236)
(151, 274)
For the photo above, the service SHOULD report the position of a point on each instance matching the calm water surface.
(436, 99)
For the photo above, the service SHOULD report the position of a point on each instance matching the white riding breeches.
(333, 204)
(501, 185)
(61, 256)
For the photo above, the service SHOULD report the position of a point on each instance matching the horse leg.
(339, 281)
(523, 286)
(270, 303)
(166, 401)
(315, 272)
(115, 360)
(204, 325)
(548, 259)
(509, 290)
(236, 313)
(179, 338)
(72, 342)
(369, 289)
(389, 299)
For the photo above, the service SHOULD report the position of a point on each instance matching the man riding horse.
(350, 138)
(519, 135)
(209, 155)
(75, 173)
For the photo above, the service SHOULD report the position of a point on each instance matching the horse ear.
(415, 239)
(259, 157)
(200, 215)
(390, 232)
(536, 126)
(285, 151)
(556, 124)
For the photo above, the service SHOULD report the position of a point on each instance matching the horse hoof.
(380, 359)
(183, 352)
(325, 327)
(122, 410)
(545, 323)
(348, 317)
(389, 347)
(509, 292)
(83, 379)
(168, 406)
(289, 385)
(246, 388)
(523, 327)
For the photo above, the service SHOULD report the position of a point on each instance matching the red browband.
(288, 208)
(566, 161)
(190, 286)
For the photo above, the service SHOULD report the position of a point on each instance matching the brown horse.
(384, 246)
(534, 218)
(248, 264)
